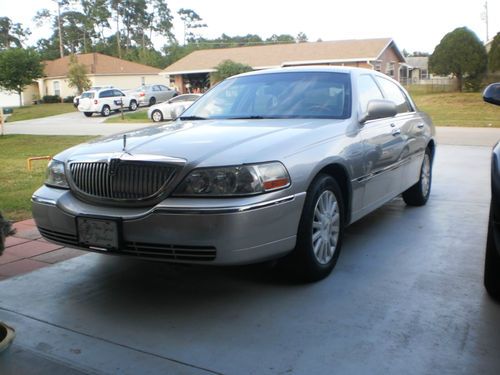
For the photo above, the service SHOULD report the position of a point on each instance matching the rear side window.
(393, 92)
(89, 95)
(106, 94)
(367, 90)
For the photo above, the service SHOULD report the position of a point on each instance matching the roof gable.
(97, 63)
(274, 55)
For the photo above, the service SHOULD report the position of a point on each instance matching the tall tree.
(12, 34)
(282, 38)
(77, 75)
(460, 53)
(494, 55)
(192, 20)
(96, 14)
(301, 37)
(44, 15)
(18, 69)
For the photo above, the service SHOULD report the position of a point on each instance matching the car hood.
(215, 142)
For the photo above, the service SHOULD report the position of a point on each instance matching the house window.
(377, 66)
(57, 88)
(424, 74)
(390, 69)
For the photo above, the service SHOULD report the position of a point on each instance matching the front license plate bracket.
(98, 233)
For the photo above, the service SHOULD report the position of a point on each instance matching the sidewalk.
(27, 251)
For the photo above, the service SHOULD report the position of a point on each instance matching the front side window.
(393, 92)
(367, 90)
(106, 94)
(277, 95)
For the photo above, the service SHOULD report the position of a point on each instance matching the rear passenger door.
(383, 146)
(410, 126)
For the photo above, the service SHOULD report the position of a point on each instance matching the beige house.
(102, 70)
(379, 54)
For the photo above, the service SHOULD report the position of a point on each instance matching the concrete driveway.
(73, 123)
(406, 297)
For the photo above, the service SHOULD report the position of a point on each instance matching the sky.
(414, 25)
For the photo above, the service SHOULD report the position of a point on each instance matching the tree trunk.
(460, 81)
(20, 93)
(118, 35)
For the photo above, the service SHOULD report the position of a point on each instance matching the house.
(379, 54)
(102, 70)
(419, 68)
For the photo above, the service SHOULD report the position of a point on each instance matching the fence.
(441, 84)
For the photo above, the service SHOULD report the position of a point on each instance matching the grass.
(140, 116)
(17, 184)
(30, 112)
(458, 109)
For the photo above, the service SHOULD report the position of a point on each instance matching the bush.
(68, 99)
(51, 99)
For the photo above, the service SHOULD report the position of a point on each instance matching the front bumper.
(204, 231)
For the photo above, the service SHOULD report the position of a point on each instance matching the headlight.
(55, 176)
(238, 180)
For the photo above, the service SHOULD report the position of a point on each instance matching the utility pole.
(484, 17)
(61, 49)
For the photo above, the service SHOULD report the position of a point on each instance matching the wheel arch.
(341, 175)
(432, 148)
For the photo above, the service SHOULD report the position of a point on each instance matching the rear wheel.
(105, 111)
(133, 105)
(492, 262)
(152, 101)
(88, 114)
(418, 194)
(157, 116)
(319, 238)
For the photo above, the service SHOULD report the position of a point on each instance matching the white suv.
(104, 101)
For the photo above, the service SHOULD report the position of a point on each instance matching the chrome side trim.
(37, 199)
(226, 210)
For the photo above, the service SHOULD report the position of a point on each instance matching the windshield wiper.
(191, 118)
(250, 117)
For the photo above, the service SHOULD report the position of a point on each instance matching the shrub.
(68, 99)
(52, 99)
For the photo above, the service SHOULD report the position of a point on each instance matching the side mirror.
(378, 108)
(491, 94)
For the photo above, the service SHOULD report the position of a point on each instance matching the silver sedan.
(266, 165)
(152, 94)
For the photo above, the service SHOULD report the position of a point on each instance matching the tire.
(321, 228)
(492, 263)
(106, 111)
(152, 101)
(88, 114)
(133, 105)
(157, 116)
(418, 194)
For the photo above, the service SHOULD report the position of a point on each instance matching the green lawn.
(29, 112)
(139, 116)
(17, 184)
(458, 109)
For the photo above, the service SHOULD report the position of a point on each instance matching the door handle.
(396, 131)
(420, 126)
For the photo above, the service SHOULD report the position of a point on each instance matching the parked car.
(152, 94)
(492, 262)
(172, 108)
(104, 101)
(266, 165)
(76, 99)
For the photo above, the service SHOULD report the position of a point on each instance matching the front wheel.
(133, 105)
(321, 228)
(157, 116)
(106, 111)
(418, 194)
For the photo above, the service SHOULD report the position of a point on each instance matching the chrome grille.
(123, 180)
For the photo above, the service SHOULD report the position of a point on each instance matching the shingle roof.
(278, 54)
(97, 63)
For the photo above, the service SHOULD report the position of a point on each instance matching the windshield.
(88, 94)
(277, 95)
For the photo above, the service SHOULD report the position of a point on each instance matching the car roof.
(309, 68)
